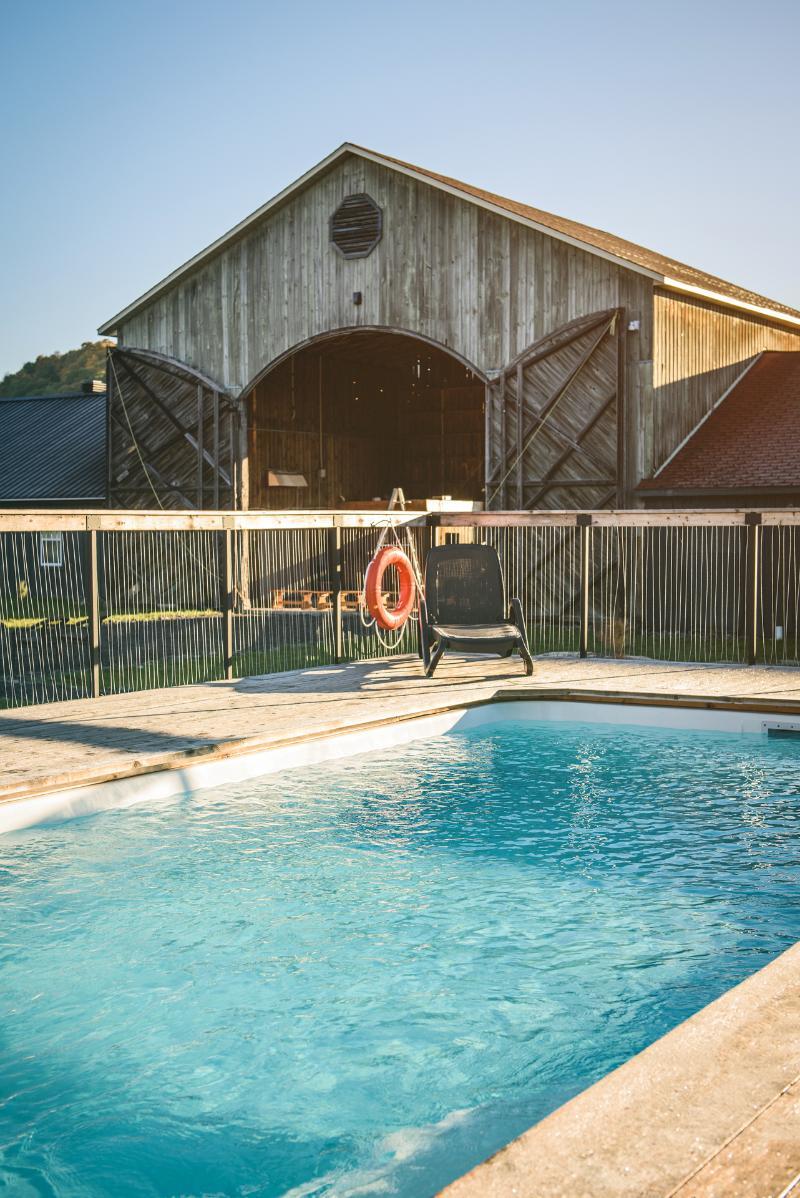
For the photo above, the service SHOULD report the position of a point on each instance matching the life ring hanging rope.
(386, 558)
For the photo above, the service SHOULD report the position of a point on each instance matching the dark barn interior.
(361, 412)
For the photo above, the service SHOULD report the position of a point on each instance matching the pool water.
(364, 977)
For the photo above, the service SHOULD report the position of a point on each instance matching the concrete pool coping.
(93, 741)
(87, 791)
(711, 1108)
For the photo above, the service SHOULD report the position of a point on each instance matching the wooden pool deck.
(58, 745)
(711, 1110)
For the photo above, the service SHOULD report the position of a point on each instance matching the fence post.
(752, 584)
(584, 522)
(94, 614)
(227, 605)
(335, 577)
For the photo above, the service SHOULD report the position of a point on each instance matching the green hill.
(56, 374)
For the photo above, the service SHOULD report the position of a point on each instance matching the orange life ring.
(384, 559)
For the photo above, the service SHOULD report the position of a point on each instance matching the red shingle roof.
(752, 440)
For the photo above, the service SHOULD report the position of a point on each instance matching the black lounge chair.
(464, 607)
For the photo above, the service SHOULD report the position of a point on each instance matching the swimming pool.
(365, 976)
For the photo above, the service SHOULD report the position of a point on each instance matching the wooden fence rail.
(40, 520)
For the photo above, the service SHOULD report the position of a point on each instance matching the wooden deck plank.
(61, 744)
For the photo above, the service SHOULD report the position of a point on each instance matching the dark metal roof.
(53, 447)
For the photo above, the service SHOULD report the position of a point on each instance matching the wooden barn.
(378, 325)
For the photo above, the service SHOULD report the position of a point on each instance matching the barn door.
(172, 434)
(553, 420)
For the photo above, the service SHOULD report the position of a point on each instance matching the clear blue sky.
(134, 134)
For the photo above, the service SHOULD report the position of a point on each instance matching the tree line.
(58, 374)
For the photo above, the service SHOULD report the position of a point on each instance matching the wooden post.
(504, 450)
(622, 410)
(94, 615)
(584, 523)
(752, 584)
(200, 480)
(335, 577)
(232, 464)
(227, 605)
(215, 444)
(519, 435)
(488, 411)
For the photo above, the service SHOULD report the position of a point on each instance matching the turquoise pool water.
(362, 978)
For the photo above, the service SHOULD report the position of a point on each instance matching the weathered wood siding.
(479, 284)
(698, 352)
(552, 421)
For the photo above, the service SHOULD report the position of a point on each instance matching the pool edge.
(606, 1170)
(673, 1120)
(86, 792)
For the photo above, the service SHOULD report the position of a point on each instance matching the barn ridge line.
(664, 271)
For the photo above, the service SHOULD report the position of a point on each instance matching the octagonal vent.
(356, 226)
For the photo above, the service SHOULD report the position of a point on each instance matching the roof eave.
(716, 297)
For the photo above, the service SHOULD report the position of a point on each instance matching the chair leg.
(424, 648)
(526, 657)
(434, 659)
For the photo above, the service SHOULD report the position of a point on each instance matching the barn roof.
(665, 271)
(749, 441)
(53, 447)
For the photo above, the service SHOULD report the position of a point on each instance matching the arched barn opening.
(345, 418)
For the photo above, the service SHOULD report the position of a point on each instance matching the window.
(51, 549)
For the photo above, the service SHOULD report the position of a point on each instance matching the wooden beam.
(149, 469)
(540, 417)
(520, 411)
(548, 484)
(232, 437)
(488, 432)
(501, 488)
(171, 417)
(622, 410)
(539, 352)
(200, 502)
(215, 443)
(143, 519)
(575, 445)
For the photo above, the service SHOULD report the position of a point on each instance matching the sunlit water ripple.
(362, 978)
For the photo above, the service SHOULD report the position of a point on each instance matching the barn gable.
(446, 269)
(365, 244)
